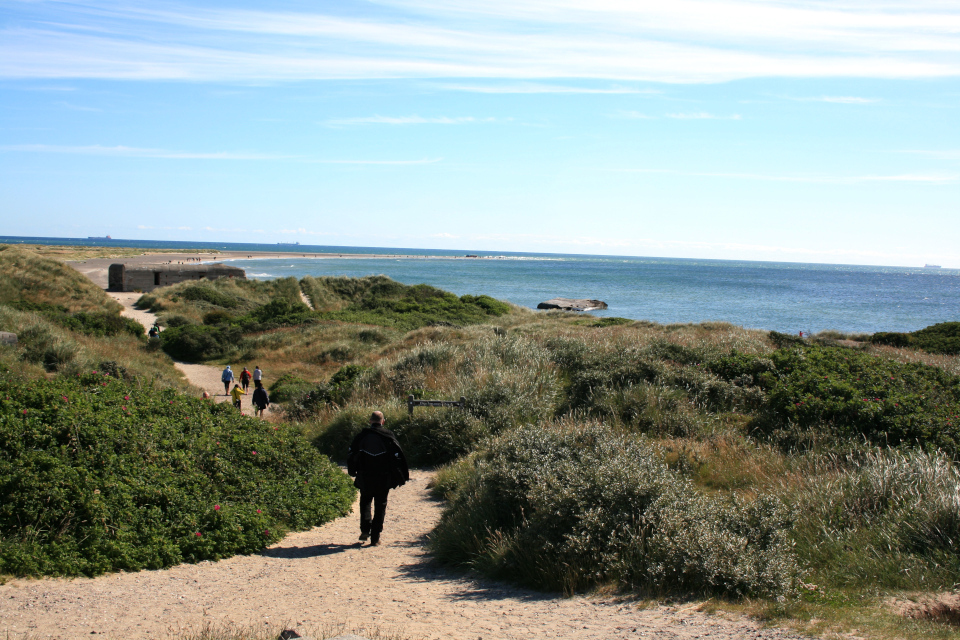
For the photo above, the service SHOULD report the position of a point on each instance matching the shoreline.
(96, 269)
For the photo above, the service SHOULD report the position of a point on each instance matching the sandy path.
(202, 376)
(323, 577)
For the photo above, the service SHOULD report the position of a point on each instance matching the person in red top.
(245, 378)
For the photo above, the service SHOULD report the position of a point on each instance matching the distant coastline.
(240, 250)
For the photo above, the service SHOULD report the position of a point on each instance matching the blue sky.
(732, 129)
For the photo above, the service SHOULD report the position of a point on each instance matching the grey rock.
(569, 304)
(8, 338)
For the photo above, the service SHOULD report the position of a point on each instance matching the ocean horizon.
(782, 296)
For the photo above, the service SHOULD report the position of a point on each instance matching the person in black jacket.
(377, 461)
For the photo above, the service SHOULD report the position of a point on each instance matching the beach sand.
(323, 577)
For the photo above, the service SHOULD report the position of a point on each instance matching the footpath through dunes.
(202, 376)
(324, 577)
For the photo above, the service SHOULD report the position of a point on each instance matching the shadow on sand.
(315, 551)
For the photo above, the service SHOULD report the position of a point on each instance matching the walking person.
(236, 393)
(226, 377)
(245, 379)
(260, 399)
(257, 374)
(378, 462)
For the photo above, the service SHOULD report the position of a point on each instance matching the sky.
(727, 129)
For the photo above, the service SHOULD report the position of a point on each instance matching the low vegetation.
(939, 338)
(100, 476)
(809, 477)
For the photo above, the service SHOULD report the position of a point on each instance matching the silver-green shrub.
(571, 508)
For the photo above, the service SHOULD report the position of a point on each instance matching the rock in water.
(569, 304)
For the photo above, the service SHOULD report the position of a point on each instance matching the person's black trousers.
(374, 491)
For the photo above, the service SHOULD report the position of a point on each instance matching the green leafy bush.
(287, 386)
(939, 338)
(195, 343)
(392, 304)
(309, 400)
(567, 510)
(100, 476)
(209, 293)
(429, 437)
(816, 392)
(92, 323)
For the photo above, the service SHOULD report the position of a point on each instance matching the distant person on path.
(257, 374)
(377, 461)
(236, 393)
(245, 378)
(226, 377)
(260, 398)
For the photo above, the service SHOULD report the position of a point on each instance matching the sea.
(783, 296)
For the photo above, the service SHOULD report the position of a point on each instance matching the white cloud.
(678, 41)
(410, 120)
(529, 87)
(137, 152)
(632, 115)
(701, 116)
(836, 99)
(926, 178)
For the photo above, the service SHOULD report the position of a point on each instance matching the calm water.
(787, 297)
(784, 297)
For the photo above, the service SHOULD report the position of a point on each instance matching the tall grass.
(32, 278)
(881, 519)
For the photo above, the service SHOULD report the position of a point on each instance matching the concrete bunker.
(147, 277)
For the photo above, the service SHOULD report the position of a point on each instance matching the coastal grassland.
(44, 281)
(65, 324)
(751, 428)
(227, 319)
(99, 475)
(802, 480)
(67, 252)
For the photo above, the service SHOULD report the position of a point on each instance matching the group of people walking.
(260, 398)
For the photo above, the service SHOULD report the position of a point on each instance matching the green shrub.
(177, 320)
(612, 322)
(306, 402)
(830, 394)
(429, 437)
(92, 323)
(939, 338)
(218, 316)
(195, 343)
(99, 476)
(567, 510)
(209, 293)
(287, 386)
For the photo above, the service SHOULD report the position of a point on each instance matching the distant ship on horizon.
(99, 238)
(291, 244)
(932, 266)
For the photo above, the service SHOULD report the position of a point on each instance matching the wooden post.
(410, 404)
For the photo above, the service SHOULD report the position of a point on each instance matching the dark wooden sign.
(411, 403)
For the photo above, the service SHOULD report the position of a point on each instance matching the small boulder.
(569, 304)
(8, 338)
